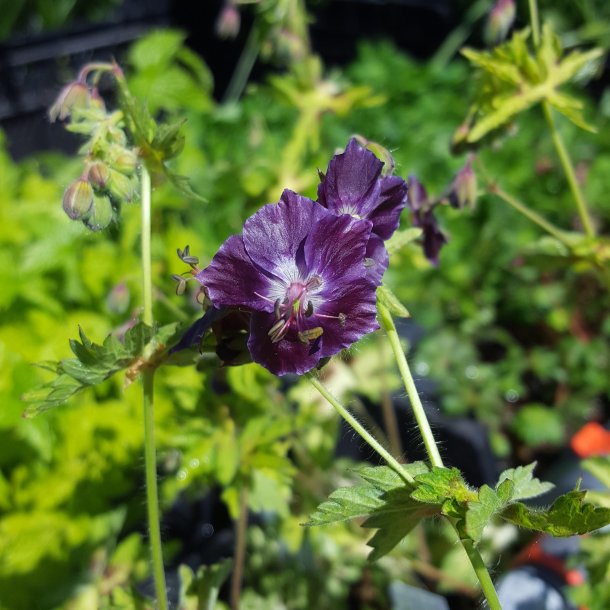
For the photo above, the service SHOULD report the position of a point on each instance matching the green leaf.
(567, 516)
(441, 484)
(199, 591)
(513, 79)
(390, 301)
(481, 512)
(95, 363)
(525, 485)
(384, 500)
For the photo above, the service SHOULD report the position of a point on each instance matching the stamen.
(312, 334)
(368, 262)
(278, 330)
(309, 310)
(314, 282)
(277, 309)
(260, 296)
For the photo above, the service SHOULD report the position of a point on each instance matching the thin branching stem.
(560, 147)
(360, 429)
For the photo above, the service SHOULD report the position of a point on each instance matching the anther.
(309, 310)
(277, 309)
(312, 334)
(368, 262)
(342, 318)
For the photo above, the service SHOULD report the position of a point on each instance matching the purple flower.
(300, 271)
(423, 216)
(353, 185)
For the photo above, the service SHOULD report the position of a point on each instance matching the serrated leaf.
(94, 364)
(402, 238)
(384, 500)
(567, 516)
(481, 512)
(524, 482)
(390, 301)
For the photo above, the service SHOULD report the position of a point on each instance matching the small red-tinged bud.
(118, 298)
(121, 187)
(101, 213)
(464, 189)
(99, 175)
(228, 22)
(96, 101)
(499, 22)
(125, 161)
(72, 96)
(78, 199)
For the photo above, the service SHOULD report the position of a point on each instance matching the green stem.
(355, 424)
(405, 372)
(530, 214)
(451, 45)
(487, 585)
(242, 71)
(148, 373)
(534, 21)
(435, 459)
(562, 151)
(568, 168)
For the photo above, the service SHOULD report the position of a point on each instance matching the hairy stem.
(355, 424)
(405, 372)
(150, 458)
(487, 585)
(435, 459)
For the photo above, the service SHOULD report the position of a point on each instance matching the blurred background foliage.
(515, 336)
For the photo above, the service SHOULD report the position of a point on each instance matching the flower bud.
(125, 161)
(117, 300)
(101, 213)
(463, 191)
(74, 95)
(99, 175)
(228, 22)
(121, 187)
(78, 199)
(499, 22)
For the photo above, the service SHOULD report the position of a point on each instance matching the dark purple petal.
(392, 199)
(358, 303)
(274, 235)
(232, 279)
(351, 184)
(284, 357)
(336, 247)
(377, 259)
(434, 238)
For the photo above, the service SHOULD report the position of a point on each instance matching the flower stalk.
(150, 460)
(476, 560)
(359, 428)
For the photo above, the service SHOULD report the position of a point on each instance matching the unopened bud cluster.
(109, 176)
